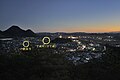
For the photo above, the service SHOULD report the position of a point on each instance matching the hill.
(15, 31)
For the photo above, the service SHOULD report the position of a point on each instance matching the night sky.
(61, 15)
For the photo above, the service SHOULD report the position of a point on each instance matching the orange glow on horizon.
(90, 29)
(106, 29)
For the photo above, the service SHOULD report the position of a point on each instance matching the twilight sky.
(61, 15)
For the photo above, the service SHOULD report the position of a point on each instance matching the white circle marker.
(43, 40)
(27, 43)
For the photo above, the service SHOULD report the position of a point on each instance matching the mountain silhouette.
(15, 31)
(29, 33)
(1, 34)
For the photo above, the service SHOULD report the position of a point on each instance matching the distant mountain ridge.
(15, 31)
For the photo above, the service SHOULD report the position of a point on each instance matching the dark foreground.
(43, 65)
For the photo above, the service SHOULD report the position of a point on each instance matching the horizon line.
(57, 31)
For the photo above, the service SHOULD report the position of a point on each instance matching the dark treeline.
(44, 65)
